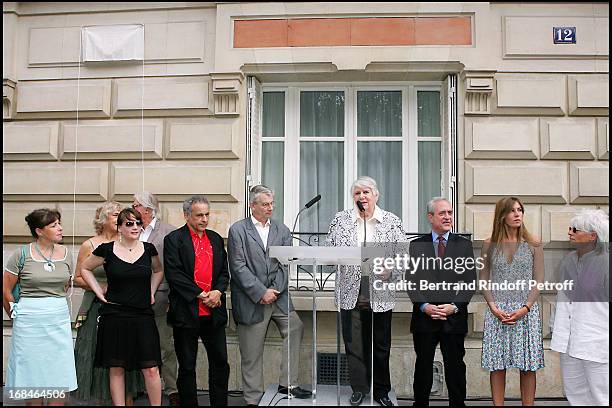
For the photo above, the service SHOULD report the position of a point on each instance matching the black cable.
(279, 400)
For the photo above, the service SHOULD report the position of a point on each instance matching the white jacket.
(581, 324)
(389, 233)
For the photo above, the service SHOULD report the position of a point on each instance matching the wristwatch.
(456, 308)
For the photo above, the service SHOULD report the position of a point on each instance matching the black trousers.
(453, 351)
(186, 347)
(357, 334)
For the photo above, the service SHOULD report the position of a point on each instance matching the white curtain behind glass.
(273, 152)
(430, 162)
(321, 163)
(379, 114)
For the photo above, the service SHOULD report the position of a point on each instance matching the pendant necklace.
(49, 266)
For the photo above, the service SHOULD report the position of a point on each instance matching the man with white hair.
(154, 231)
(260, 293)
(581, 330)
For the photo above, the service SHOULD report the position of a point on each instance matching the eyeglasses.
(131, 223)
(135, 206)
(574, 229)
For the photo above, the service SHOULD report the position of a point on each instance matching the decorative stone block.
(113, 139)
(531, 37)
(530, 94)
(78, 219)
(30, 141)
(568, 138)
(53, 46)
(55, 181)
(13, 215)
(180, 96)
(204, 138)
(589, 182)
(556, 220)
(501, 138)
(58, 99)
(164, 43)
(589, 95)
(532, 182)
(175, 181)
(479, 220)
(478, 91)
(603, 138)
(8, 99)
(226, 91)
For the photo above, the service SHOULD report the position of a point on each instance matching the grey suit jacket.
(253, 271)
(157, 239)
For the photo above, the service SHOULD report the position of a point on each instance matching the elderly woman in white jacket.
(581, 322)
(362, 304)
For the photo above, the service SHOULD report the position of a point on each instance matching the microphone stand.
(365, 235)
(314, 305)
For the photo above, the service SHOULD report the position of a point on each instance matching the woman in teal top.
(94, 381)
(41, 360)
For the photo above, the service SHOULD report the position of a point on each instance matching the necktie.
(441, 247)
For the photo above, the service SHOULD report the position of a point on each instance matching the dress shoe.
(357, 398)
(175, 401)
(297, 392)
(384, 401)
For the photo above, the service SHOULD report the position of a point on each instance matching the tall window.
(319, 140)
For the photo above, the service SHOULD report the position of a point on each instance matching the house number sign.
(564, 35)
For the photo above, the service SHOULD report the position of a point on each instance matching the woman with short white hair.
(581, 327)
(361, 305)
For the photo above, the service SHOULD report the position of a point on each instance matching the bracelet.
(528, 309)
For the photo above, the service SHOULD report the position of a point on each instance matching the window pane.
(272, 174)
(383, 162)
(273, 114)
(428, 105)
(321, 172)
(379, 113)
(430, 166)
(322, 113)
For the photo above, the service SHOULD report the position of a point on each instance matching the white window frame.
(409, 138)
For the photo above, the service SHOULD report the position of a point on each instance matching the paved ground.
(235, 399)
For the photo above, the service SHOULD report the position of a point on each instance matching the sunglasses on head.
(131, 223)
(574, 229)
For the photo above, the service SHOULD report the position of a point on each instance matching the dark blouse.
(129, 284)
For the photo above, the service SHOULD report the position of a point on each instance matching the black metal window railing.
(301, 279)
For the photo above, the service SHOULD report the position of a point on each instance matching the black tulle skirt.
(128, 342)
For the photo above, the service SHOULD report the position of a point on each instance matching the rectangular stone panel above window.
(332, 32)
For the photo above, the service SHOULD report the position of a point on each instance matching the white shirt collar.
(435, 236)
(255, 222)
(377, 215)
(151, 225)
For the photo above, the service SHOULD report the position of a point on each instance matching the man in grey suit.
(259, 286)
(154, 231)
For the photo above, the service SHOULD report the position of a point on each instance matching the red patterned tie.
(441, 247)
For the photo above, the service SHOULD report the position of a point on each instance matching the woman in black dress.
(127, 335)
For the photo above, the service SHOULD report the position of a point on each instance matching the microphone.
(313, 201)
(362, 210)
(307, 206)
(359, 205)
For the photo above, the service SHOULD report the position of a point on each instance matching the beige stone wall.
(533, 122)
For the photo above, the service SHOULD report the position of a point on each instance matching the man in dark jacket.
(195, 265)
(441, 315)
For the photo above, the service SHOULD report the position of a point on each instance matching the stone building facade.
(518, 115)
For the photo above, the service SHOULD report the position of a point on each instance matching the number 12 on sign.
(564, 35)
